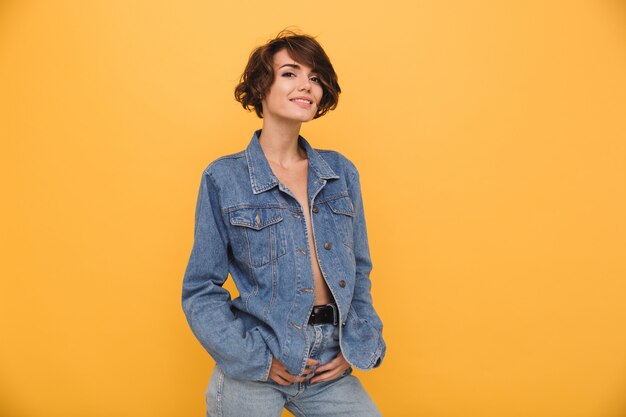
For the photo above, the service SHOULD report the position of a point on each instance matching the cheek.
(318, 93)
(273, 98)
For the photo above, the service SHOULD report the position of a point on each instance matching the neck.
(279, 142)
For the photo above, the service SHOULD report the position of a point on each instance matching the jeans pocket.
(346, 372)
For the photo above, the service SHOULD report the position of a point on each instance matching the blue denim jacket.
(250, 225)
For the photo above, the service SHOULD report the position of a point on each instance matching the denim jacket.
(250, 225)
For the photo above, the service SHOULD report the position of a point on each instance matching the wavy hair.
(258, 76)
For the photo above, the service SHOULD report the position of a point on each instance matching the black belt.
(325, 314)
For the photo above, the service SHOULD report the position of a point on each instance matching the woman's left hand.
(331, 370)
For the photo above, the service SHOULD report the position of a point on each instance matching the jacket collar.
(261, 176)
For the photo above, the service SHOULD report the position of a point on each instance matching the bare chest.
(296, 181)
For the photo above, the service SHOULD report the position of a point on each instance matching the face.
(295, 93)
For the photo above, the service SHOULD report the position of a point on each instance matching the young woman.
(286, 221)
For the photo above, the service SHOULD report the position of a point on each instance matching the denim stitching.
(325, 199)
(274, 230)
(338, 210)
(220, 386)
(236, 207)
(295, 407)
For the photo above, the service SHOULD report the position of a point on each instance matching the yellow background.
(491, 140)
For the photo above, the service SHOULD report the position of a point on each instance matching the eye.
(316, 80)
(288, 74)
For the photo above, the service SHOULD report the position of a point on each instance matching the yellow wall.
(491, 140)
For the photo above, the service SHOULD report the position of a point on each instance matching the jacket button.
(296, 215)
(342, 283)
(328, 245)
(316, 209)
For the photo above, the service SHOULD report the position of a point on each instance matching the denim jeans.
(343, 396)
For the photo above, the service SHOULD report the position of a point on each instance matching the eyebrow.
(296, 66)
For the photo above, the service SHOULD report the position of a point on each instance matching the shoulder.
(226, 172)
(226, 163)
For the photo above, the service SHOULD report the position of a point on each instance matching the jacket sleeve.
(362, 298)
(241, 354)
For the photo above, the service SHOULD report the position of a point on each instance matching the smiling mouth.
(300, 100)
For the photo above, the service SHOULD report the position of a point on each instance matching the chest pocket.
(259, 234)
(343, 214)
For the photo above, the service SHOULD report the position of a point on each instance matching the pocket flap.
(342, 205)
(255, 217)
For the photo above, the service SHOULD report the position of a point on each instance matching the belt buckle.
(335, 314)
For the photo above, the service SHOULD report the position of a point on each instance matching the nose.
(305, 85)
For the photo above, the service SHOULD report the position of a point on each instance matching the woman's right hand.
(280, 375)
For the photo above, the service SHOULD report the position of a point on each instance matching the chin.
(301, 118)
(309, 117)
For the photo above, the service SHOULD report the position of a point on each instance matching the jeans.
(342, 396)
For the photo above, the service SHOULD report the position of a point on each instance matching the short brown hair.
(258, 76)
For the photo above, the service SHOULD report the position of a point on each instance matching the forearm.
(240, 354)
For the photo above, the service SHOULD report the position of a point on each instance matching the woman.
(286, 222)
